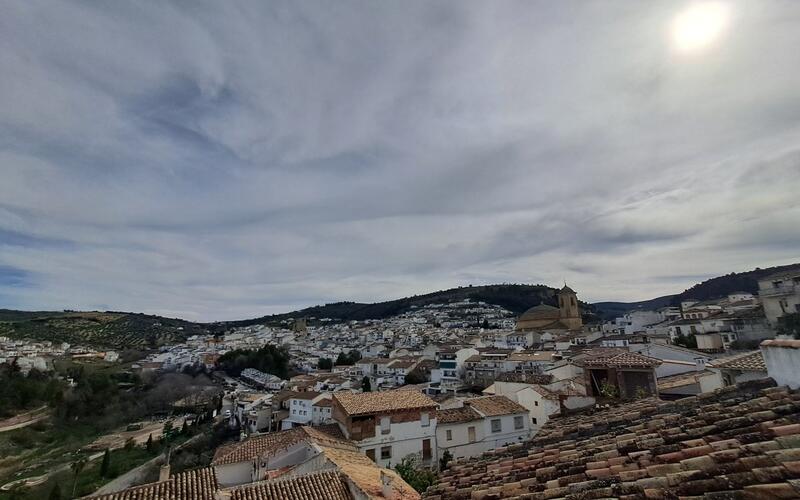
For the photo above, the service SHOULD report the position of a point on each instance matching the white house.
(301, 411)
(780, 294)
(480, 425)
(390, 425)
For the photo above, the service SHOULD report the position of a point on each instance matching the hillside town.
(489, 400)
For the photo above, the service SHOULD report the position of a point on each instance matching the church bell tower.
(568, 309)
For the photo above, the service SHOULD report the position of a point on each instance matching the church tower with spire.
(569, 313)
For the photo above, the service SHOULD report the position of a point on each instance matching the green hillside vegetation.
(611, 310)
(515, 298)
(721, 286)
(116, 330)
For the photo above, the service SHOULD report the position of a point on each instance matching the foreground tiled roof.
(366, 475)
(375, 402)
(740, 442)
(267, 444)
(748, 361)
(456, 415)
(200, 484)
(328, 485)
(493, 406)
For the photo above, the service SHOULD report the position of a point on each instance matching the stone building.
(541, 318)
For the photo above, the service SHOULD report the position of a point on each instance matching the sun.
(699, 25)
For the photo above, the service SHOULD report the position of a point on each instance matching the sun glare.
(699, 25)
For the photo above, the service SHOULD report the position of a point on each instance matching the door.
(371, 454)
(471, 434)
(426, 449)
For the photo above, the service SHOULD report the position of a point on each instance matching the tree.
(418, 478)
(18, 490)
(366, 385)
(130, 444)
(167, 431)
(415, 377)
(106, 463)
(445, 459)
(789, 324)
(55, 493)
(185, 428)
(77, 467)
(149, 445)
(325, 363)
(688, 341)
(485, 324)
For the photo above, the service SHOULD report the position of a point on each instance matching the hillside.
(722, 285)
(713, 288)
(611, 310)
(515, 298)
(116, 330)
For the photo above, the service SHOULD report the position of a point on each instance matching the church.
(566, 316)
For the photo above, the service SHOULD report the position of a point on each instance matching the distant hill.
(713, 288)
(611, 310)
(115, 330)
(734, 282)
(123, 330)
(515, 298)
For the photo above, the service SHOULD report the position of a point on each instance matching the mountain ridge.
(126, 330)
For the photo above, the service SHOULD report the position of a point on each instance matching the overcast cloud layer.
(220, 160)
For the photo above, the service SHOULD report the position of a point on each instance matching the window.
(386, 424)
(535, 403)
(449, 435)
(425, 419)
(518, 424)
(386, 452)
(533, 419)
(497, 425)
(371, 454)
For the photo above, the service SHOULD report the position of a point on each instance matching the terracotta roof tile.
(738, 442)
(268, 444)
(377, 402)
(617, 359)
(748, 361)
(492, 406)
(456, 415)
(200, 484)
(329, 485)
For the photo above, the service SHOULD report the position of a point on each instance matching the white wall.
(783, 361)
(405, 438)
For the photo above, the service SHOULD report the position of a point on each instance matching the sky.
(224, 160)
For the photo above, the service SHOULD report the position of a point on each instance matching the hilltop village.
(496, 405)
(483, 400)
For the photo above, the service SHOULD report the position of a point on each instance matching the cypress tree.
(106, 463)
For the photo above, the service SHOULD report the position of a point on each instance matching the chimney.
(163, 474)
(386, 485)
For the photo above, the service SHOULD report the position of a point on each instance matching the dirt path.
(24, 419)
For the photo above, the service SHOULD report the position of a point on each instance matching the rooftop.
(748, 361)
(329, 484)
(456, 415)
(616, 358)
(197, 484)
(493, 406)
(739, 442)
(268, 444)
(385, 401)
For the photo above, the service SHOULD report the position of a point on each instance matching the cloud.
(222, 161)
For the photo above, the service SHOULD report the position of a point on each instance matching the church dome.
(542, 311)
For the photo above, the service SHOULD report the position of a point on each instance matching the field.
(101, 329)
